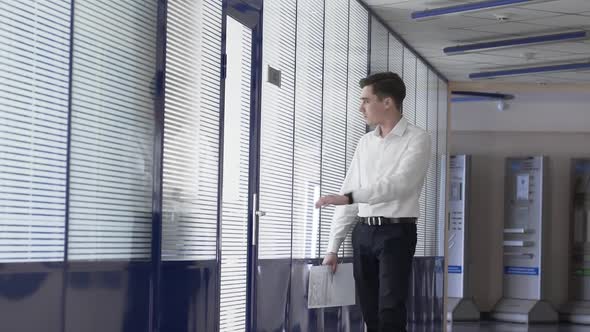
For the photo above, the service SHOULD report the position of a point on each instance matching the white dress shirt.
(385, 177)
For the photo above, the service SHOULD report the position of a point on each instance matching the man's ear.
(388, 101)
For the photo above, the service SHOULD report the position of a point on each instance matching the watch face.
(349, 195)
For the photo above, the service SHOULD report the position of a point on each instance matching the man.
(382, 187)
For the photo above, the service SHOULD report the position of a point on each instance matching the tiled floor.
(489, 326)
(508, 327)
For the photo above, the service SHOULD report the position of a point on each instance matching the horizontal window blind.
(112, 130)
(409, 69)
(431, 205)
(277, 125)
(396, 56)
(334, 109)
(358, 42)
(236, 159)
(421, 122)
(304, 152)
(357, 69)
(409, 112)
(379, 46)
(442, 152)
(34, 83)
(308, 127)
(191, 130)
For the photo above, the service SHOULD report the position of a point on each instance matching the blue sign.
(516, 165)
(455, 269)
(521, 270)
(582, 167)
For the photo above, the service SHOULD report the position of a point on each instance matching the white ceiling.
(429, 37)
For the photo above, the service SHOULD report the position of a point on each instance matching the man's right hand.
(331, 260)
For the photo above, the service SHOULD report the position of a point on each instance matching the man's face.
(373, 109)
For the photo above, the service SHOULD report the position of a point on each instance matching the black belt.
(378, 221)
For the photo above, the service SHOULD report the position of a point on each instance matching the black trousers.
(382, 266)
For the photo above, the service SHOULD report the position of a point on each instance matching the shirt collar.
(398, 130)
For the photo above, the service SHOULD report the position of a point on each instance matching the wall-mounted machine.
(578, 309)
(460, 305)
(525, 243)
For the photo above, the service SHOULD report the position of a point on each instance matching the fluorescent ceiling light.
(516, 42)
(471, 96)
(531, 70)
(467, 7)
(464, 99)
(487, 95)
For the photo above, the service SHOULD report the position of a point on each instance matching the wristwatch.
(349, 195)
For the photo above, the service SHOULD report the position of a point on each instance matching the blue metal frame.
(319, 254)
(223, 76)
(416, 92)
(485, 95)
(346, 96)
(369, 50)
(531, 70)
(466, 8)
(514, 42)
(157, 191)
(438, 171)
(68, 162)
(369, 46)
(254, 172)
(288, 318)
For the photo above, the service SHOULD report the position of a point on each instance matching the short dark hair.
(385, 85)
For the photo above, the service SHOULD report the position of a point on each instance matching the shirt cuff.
(334, 245)
(361, 195)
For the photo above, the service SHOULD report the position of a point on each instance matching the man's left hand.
(331, 200)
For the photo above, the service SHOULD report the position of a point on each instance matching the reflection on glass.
(234, 213)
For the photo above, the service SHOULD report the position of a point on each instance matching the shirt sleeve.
(345, 215)
(407, 178)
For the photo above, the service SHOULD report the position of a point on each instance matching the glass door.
(236, 160)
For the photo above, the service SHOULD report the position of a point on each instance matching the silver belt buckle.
(375, 221)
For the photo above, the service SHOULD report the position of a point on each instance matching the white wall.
(535, 124)
(551, 108)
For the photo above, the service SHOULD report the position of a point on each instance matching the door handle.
(255, 215)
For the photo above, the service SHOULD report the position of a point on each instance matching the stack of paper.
(327, 289)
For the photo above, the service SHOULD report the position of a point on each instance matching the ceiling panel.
(415, 5)
(571, 47)
(430, 53)
(486, 58)
(562, 6)
(377, 3)
(563, 21)
(453, 35)
(524, 79)
(535, 63)
(430, 36)
(514, 14)
(511, 28)
(448, 61)
(523, 53)
(395, 16)
(577, 76)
